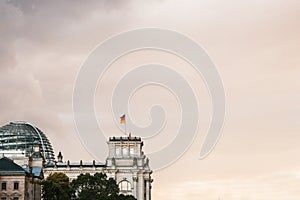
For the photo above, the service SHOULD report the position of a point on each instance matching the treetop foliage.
(85, 187)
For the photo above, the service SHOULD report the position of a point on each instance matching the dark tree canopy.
(56, 187)
(97, 186)
(124, 197)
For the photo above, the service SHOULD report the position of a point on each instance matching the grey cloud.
(9, 20)
(38, 46)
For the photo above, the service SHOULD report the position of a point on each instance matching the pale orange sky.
(255, 45)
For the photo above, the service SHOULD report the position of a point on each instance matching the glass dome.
(21, 138)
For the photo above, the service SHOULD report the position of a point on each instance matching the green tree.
(125, 197)
(56, 187)
(97, 186)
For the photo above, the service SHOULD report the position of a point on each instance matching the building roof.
(125, 139)
(74, 164)
(7, 165)
(36, 171)
(21, 138)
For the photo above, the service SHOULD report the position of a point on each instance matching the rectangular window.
(3, 186)
(132, 151)
(118, 152)
(3, 198)
(16, 198)
(16, 185)
(125, 151)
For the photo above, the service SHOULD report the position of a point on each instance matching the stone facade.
(10, 192)
(126, 163)
(19, 183)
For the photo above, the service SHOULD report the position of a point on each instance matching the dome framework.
(22, 137)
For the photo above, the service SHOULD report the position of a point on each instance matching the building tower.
(60, 157)
(128, 165)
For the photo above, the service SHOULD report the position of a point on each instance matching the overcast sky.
(255, 45)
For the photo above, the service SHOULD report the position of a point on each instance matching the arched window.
(124, 186)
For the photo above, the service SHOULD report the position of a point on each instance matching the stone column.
(140, 188)
(134, 192)
(148, 197)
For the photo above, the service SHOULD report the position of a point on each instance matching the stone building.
(31, 150)
(126, 163)
(18, 183)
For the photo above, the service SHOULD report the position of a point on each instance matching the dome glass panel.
(22, 137)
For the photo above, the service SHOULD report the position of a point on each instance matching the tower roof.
(111, 139)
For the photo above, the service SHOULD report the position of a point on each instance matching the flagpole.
(125, 124)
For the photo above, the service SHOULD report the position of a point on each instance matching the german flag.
(122, 119)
